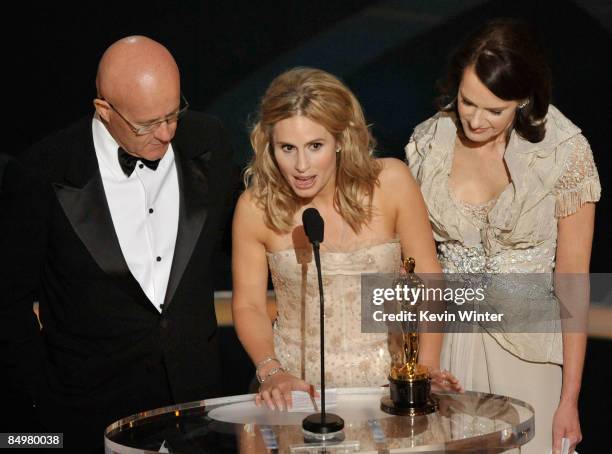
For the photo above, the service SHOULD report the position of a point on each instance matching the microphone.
(321, 426)
(313, 226)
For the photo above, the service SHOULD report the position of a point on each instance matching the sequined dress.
(514, 233)
(352, 358)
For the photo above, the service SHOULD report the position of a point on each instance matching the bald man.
(114, 221)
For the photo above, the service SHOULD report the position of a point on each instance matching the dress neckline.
(375, 243)
(478, 211)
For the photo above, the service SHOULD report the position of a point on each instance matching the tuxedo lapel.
(193, 210)
(82, 198)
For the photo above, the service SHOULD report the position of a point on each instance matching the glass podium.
(467, 422)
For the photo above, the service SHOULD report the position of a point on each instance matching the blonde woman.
(312, 148)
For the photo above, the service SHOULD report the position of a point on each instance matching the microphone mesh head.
(313, 225)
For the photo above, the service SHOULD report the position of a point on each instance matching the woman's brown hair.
(510, 63)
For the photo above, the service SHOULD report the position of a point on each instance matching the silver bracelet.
(266, 360)
(271, 372)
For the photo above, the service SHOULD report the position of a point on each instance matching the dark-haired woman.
(509, 183)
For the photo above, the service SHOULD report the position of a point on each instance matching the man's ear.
(102, 109)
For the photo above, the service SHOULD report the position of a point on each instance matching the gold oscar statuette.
(409, 381)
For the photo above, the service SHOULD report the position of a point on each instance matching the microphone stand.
(322, 425)
(317, 256)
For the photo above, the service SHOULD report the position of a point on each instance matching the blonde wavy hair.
(322, 98)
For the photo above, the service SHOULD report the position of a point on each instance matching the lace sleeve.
(579, 181)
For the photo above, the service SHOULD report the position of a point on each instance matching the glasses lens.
(145, 129)
(153, 126)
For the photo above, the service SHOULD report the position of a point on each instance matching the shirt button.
(158, 259)
(140, 166)
(150, 210)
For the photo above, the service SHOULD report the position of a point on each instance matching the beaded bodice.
(352, 358)
(456, 257)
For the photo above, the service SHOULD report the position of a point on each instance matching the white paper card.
(302, 402)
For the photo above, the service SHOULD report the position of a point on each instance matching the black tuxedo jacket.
(103, 347)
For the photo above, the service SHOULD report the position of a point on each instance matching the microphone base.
(315, 427)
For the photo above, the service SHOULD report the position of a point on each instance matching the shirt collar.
(106, 150)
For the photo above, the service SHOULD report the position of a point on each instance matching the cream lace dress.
(514, 233)
(352, 358)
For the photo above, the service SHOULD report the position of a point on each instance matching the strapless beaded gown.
(352, 358)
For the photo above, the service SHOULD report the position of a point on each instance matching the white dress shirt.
(144, 208)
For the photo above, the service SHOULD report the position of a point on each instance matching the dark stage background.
(389, 52)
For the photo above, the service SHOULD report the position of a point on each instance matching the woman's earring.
(523, 104)
(338, 150)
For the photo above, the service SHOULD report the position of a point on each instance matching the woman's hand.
(566, 425)
(275, 392)
(443, 380)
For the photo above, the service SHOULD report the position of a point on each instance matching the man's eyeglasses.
(141, 130)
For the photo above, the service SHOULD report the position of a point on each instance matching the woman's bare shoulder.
(249, 213)
(395, 173)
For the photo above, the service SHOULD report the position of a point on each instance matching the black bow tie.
(128, 162)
